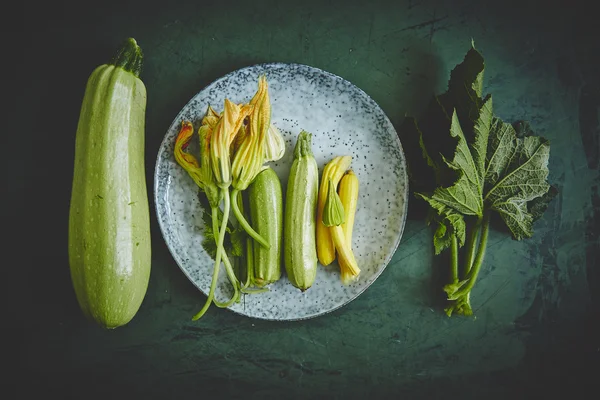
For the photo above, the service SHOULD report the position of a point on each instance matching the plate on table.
(343, 120)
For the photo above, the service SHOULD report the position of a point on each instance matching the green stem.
(472, 247)
(255, 291)
(249, 257)
(472, 275)
(228, 267)
(234, 282)
(231, 273)
(242, 220)
(217, 267)
(249, 263)
(129, 57)
(250, 270)
(454, 259)
(466, 306)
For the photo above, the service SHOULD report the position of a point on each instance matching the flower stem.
(244, 223)
(217, 267)
(231, 273)
(228, 267)
(249, 263)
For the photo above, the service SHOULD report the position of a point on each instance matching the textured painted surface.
(536, 301)
(343, 120)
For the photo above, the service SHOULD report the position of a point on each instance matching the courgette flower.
(222, 137)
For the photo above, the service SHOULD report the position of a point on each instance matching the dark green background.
(536, 302)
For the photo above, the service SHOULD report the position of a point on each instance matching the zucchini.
(300, 252)
(348, 191)
(266, 213)
(109, 220)
(333, 172)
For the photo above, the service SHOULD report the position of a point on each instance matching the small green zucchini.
(300, 252)
(266, 214)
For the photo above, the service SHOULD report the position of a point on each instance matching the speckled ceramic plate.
(343, 120)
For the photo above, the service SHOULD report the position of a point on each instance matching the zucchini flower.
(201, 173)
(250, 156)
(211, 118)
(274, 145)
(239, 139)
(223, 129)
(223, 136)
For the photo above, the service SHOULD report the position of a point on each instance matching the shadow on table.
(430, 77)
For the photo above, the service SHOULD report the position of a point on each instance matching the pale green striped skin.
(109, 222)
(299, 226)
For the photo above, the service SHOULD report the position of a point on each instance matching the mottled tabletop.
(536, 302)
